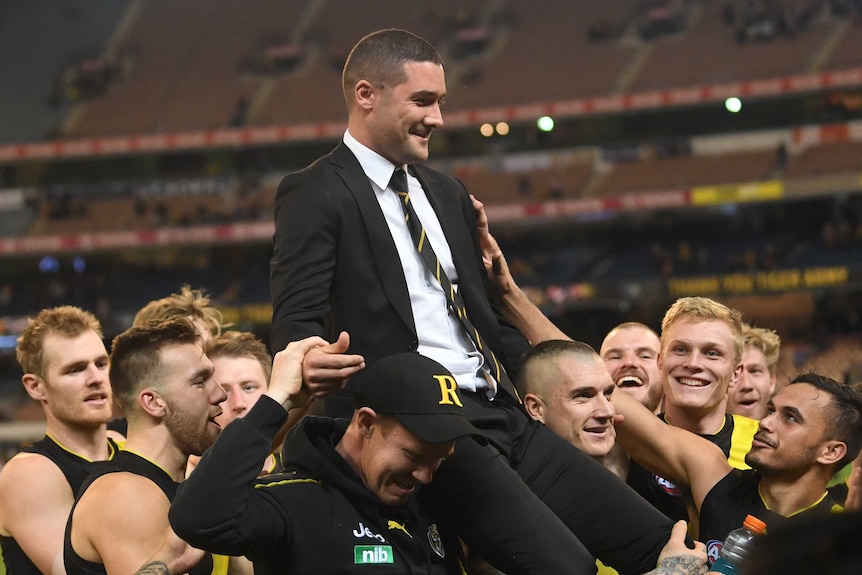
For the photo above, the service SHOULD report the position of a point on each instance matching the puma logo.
(398, 526)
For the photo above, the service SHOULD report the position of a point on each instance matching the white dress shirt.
(441, 336)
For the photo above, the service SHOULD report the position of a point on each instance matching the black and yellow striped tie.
(398, 183)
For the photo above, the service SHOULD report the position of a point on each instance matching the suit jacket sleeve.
(303, 262)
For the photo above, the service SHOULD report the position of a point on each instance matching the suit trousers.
(530, 502)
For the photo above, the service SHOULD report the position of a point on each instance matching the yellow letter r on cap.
(448, 395)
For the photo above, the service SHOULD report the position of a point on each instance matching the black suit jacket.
(335, 265)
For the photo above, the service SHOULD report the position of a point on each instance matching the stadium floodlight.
(486, 130)
(502, 128)
(545, 123)
(733, 105)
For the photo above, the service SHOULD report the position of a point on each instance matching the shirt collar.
(378, 169)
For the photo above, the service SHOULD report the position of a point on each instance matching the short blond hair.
(765, 340)
(704, 309)
(68, 321)
(240, 344)
(191, 303)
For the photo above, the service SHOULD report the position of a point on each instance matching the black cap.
(420, 393)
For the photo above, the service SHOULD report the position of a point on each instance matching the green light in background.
(545, 123)
(733, 105)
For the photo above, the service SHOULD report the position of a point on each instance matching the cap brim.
(440, 427)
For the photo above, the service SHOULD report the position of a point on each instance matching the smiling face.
(398, 120)
(575, 402)
(244, 381)
(631, 356)
(697, 364)
(191, 396)
(394, 462)
(792, 435)
(75, 388)
(749, 396)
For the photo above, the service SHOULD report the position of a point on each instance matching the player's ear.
(737, 373)
(364, 94)
(152, 403)
(535, 406)
(34, 385)
(832, 452)
(365, 418)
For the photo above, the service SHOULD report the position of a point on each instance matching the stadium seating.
(709, 54)
(187, 59)
(188, 71)
(827, 158)
(686, 172)
(39, 40)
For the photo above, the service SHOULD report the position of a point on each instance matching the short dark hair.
(844, 412)
(135, 355)
(380, 56)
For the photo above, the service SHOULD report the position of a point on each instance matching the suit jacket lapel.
(449, 208)
(386, 259)
(451, 220)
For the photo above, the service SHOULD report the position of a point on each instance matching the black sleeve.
(303, 261)
(217, 508)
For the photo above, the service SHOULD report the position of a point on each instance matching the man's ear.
(365, 420)
(734, 379)
(152, 403)
(535, 406)
(771, 384)
(364, 94)
(832, 452)
(34, 385)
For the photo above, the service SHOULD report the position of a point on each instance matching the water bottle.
(736, 548)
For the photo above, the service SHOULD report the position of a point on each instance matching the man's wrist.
(266, 416)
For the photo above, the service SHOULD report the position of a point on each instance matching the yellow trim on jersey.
(275, 463)
(744, 429)
(148, 459)
(111, 451)
(835, 508)
(75, 453)
(286, 482)
(220, 564)
(603, 569)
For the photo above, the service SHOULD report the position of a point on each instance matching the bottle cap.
(754, 524)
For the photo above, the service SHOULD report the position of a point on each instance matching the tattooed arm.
(680, 565)
(677, 558)
(154, 568)
(174, 556)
